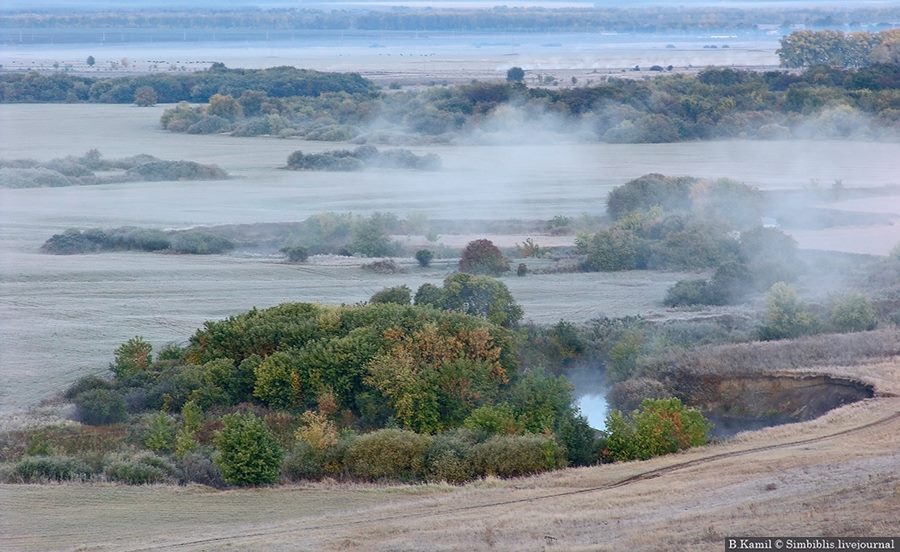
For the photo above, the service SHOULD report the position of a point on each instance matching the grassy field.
(833, 476)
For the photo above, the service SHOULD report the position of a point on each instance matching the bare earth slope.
(838, 475)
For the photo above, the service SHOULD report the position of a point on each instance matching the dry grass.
(806, 481)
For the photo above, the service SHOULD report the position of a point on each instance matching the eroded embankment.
(754, 385)
(736, 404)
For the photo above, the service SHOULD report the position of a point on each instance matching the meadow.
(62, 316)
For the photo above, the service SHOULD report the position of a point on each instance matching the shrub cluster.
(95, 240)
(657, 427)
(361, 158)
(81, 171)
(474, 295)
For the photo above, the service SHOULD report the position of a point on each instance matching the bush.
(650, 190)
(296, 254)
(612, 250)
(424, 257)
(400, 295)
(659, 426)
(629, 394)
(159, 170)
(100, 407)
(196, 467)
(623, 355)
(304, 462)
(852, 313)
(495, 419)
(248, 453)
(688, 292)
(200, 243)
(388, 454)
(785, 316)
(141, 470)
(87, 383)
(383, 267)
(517, 455)
(483, 257)
(51, 468)
(449, 457)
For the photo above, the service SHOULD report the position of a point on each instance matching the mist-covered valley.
(448, 249)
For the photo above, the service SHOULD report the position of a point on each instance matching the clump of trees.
(657, 427)
(474, 295)
(95, 240)
(361, 158)
(378, 392)
(81, 171)
(197, 86)
(786, 316)
(839, 49)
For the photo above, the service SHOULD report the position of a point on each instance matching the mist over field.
(398, 267)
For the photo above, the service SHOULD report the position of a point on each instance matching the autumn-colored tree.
(483, 257)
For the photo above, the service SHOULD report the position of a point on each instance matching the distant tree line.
(822, 101)
(647, 19)
(200, 86)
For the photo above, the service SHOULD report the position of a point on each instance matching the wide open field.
(838, 475)
(61, 317)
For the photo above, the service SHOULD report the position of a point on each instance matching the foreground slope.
(836, 475)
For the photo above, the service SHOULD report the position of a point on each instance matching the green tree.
(191, 422)
(786, 316)
(161, 433)
(91, 61)
(515, 74)
(852, 313)
(278, 381)
(423, 257)
(131, 357)
(612, 250)
(248, 453)
(400, 295)
(101, 407)
(478, 296)
(296, 254)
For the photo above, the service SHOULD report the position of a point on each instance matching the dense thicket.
(95, 240)
(821, 102)
(300, 391)
(360, 158)
(199, 86)
(81, 171)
